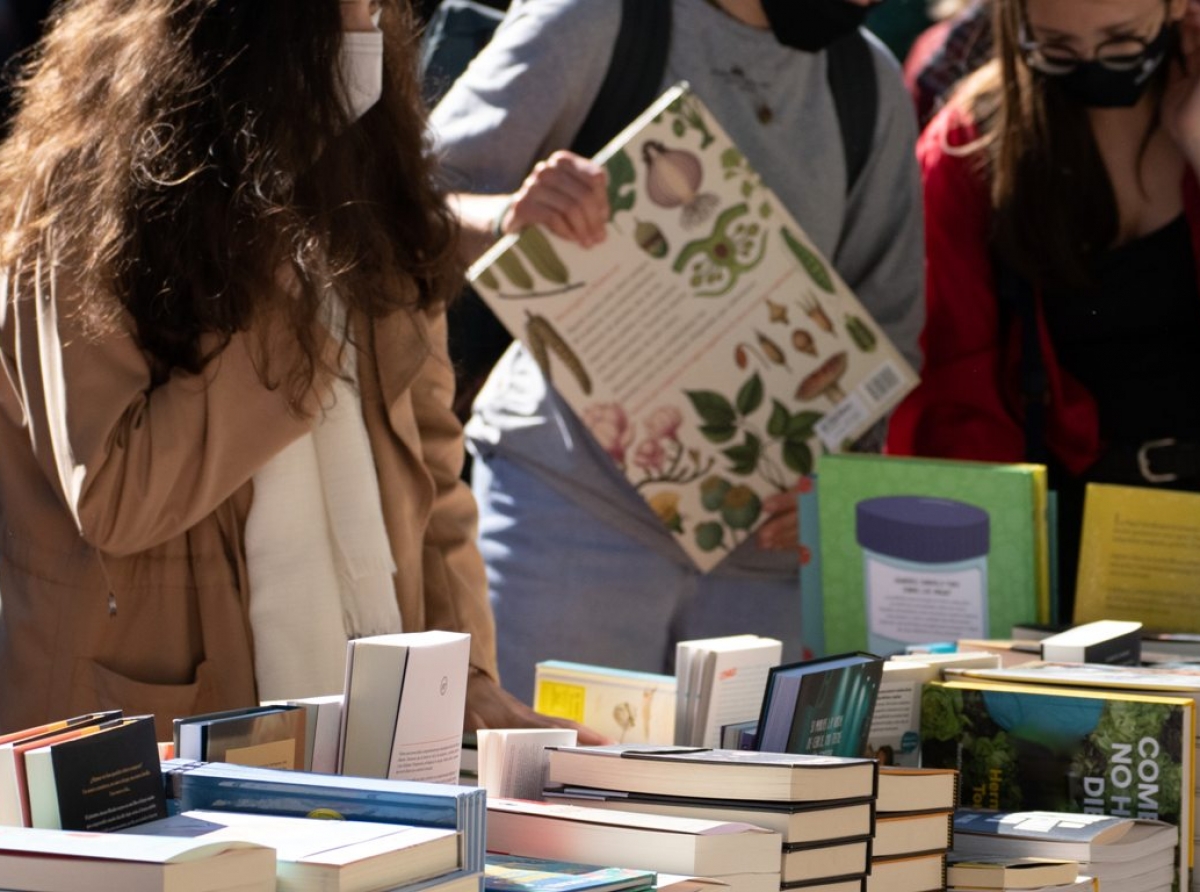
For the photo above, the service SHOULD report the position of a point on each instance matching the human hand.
(1181, 103)
(490, 706)
(781, 531)
(565, 193)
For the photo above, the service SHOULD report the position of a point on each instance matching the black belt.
(1155, 461)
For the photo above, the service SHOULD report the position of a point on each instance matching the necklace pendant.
(765, 115)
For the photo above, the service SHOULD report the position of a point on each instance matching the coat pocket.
(95, 687)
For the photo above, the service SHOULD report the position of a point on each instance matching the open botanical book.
(706, 343)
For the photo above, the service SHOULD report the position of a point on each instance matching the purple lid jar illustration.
(924, 570)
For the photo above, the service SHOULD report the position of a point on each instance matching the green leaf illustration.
(800, 426)
(713, 408)
(718, 433)
(778, 422)
(621, 177)
(710, 535)
(731, 157)
(744, 456)
(798, 457)
(750, 396)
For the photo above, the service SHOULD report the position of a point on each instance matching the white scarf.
(317, 551)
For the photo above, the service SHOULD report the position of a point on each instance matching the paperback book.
(706, 343)
(623, 705)
(513, 873)
(720, 682)
(1139, 557)
(714, 774)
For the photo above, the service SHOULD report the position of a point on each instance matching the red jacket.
(967, 403)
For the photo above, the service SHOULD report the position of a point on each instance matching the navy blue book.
(219, 786)
(820, 707)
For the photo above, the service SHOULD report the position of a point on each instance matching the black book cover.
(111, 779)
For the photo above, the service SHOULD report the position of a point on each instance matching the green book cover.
(915, 551)
(1039, 747)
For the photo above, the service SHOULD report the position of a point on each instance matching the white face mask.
(361, 68)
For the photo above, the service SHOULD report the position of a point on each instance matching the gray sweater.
(527, 94)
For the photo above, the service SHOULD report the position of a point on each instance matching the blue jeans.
(566, 585)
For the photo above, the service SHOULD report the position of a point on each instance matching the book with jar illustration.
(707, 344)
(917, 550)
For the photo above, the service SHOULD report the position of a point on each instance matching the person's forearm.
(480, 217)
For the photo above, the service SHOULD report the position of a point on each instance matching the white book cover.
(427, 741)
(706, 343)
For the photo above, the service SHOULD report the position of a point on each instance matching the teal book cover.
(1061, 749)
(917, 551)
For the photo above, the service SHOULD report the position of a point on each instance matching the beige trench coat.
(122, 509)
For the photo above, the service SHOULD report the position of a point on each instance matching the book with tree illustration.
(917, 550)
(1083, 750)
(706, 343)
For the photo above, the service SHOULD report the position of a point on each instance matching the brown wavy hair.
(185, 157)
(1054, 207)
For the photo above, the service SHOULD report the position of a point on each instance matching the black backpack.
(459, 29)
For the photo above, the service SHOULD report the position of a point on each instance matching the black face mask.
(1096, 86)
(812, 25)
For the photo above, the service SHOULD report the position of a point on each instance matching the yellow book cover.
(1139, 557)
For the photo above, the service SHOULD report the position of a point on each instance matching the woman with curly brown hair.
(224, 392)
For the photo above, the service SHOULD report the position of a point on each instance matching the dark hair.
(1053, 202)
(193, 161)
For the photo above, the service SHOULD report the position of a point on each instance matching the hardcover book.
(1138, 557)
(706, 343)
(915, 551)
(820, 707)
(916, 873)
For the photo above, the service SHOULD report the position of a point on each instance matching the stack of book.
(1143, 699)
(914, 809)
(95, 772)
(821, 807)
(1025, 746)
(1123, 854)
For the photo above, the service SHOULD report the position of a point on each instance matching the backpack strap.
(634, 76)
(850, 71)
(455, 33)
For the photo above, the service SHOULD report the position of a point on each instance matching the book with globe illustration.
(706, 343)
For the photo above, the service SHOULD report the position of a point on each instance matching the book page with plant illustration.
(706, 344)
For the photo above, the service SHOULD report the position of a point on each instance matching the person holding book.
(1062, 215)
(579, 565)
(224, 395)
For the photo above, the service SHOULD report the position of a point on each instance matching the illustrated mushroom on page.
(825, 381)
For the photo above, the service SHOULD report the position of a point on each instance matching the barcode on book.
(884, 382)
(843, 422)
